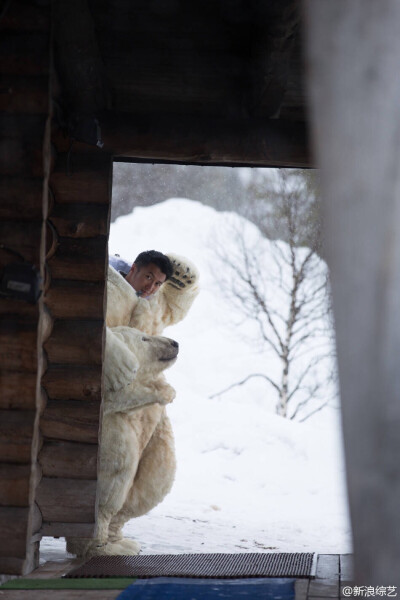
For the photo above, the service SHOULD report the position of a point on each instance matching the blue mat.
(178, 588)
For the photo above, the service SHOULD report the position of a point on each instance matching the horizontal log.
(80, 220)
(24, 237)
(20, 158)
(75, 299)
(73, 383)
(17, 436)
(174, 138)
(14, 523)
(21, 94)
(71, 420)
(17, 484)
(68, 529)
(83, 177)
(17, 390)
(27, 54)
(16, 308)
(23, 16)
(81, 259)
(21, 198)
(18, 344)
(67, 500)
(76, 342)
(69, 460)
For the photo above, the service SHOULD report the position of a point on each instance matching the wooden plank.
(69, 460)
(68, 529)
(24, 236)
(13, 307)
(21, 198)
(17, 390)
(81, 220)
(18, 344)
(17, 429)
(71, 420)
(327, 566)
(26, 54)
(23, 16)
(76, 342)
(61, 594)
(81, 259)
(301, 589)
(75, 383)
(204, 140)
(66, 500)
(15, 484)
(13, 531)
(26, 95)
(346, 568)
(69, 299)
(82, 177)
(325, 588)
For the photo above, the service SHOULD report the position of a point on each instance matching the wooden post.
(353, 57)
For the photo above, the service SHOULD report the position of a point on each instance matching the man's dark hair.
(158, 258)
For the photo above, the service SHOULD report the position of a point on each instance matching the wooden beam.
(258, 142)
(353, 56)
(78, 58)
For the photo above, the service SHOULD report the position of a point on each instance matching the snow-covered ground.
(247, 479)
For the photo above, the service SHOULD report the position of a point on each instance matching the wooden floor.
(333, 571)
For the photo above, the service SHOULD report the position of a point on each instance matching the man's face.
(146, 280)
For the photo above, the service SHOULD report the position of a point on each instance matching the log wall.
(24, 170)
(80, 188)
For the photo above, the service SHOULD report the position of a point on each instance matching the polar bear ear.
(120, 365)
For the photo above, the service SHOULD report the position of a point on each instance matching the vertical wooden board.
(353, 50)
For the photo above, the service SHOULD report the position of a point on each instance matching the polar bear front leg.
(155, 474)
(137, 394)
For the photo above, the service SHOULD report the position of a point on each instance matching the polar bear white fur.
(137, 456)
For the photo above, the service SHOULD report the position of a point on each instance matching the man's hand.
(184, 273)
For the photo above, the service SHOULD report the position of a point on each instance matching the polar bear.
(137, 456)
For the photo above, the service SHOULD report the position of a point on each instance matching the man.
(148, 272)
(153, 294)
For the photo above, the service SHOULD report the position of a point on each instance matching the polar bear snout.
(170, 350)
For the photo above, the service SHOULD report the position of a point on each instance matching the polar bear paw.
(184, 273)
(120, 364)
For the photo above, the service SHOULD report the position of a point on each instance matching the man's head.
(148, 272)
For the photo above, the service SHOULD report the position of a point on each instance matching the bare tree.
(283, 288)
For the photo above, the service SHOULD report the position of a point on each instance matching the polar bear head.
(153, 352)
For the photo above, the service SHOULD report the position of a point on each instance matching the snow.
(247, 479)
